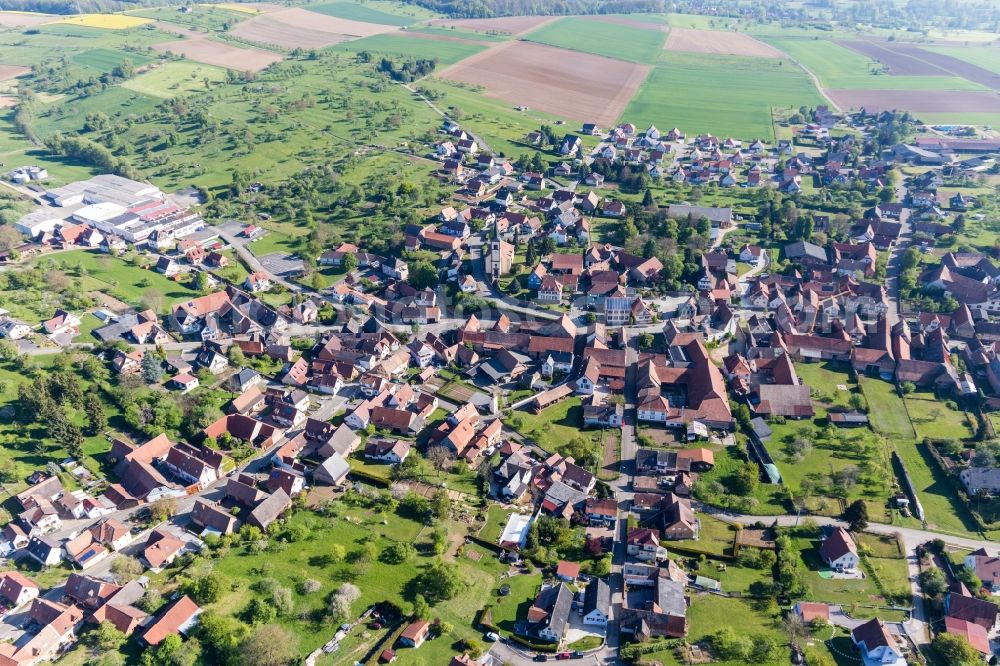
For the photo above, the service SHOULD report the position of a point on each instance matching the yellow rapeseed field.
(107, 21)
(236, 7)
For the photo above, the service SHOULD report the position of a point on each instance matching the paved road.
(894, 265)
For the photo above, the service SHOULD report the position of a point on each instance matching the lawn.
(389, 13)
(556, 426)
(713, 486)
(462, 34)
(716, 537)
(176, 78)
(397, 45)
(709, 613)
(724, 95)
(851, 593)
(509, 609)
(600, 38)
(496, 519)
(935, 419)
(840, 67)
(886, 409)
(130, 283)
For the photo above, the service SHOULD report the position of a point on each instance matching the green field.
(840, 67)
(176, 78)
(728, 96)
(600, 38)
(987, 57)
(105, 60)
(447, 53)
(462, 34)
(390, 14)
(204, 17)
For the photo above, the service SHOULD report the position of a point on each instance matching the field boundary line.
(816, 82)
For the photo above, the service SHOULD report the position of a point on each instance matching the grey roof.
(803, 249)
(670, 597)
(597, 596)
(333, 469)
(560, 607)
(561, 493)
(698, 212)
(760, 428)
(268, 511)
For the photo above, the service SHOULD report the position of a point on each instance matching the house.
(15, 591)
(643, 543)
(210, 517)
(415, 634)
(981, 479)
(811, 611)
(977, 636)
(45, 550)
(548, 616)
(567, 571)
(162, 548)
(963, 606)
(332, 471)
(597, 603)
(987, 568)
(839, 551)
(257, 282)
(602, 511)
(389, 451)
(184, 383)
(178, 618)
(878, 647)
(270, 509)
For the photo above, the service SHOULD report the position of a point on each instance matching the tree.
(259, 611)
(857, 516)
(747, 478)
(340, 603)
(269, 645)
(152, 368)
(205, 589)
(398, 553)
(955, 650)
(729, 645)
(97, 420)
(421, 610)
(441, 503)
(349, 263)
(222, 636)
(933, 583)
(647, 199)
(126, 568)
(439, 582)
(162, 510)
(441, 457)
(106, 638)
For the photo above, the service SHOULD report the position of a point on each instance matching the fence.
(911, 490)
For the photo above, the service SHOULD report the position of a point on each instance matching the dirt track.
(719, 42)
(571, 84)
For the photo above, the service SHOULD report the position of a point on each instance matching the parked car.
(540, 657)
(562, 655)
(492, 636)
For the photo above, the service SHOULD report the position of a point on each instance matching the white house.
(878, 647)
(839, 551)
(597, 603)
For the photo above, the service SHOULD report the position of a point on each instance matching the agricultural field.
(504, 25)
(840, 68)
(105, 21)
(571, 84)
(204, 17)
(23, 19)
(985, 57)
(603, 38)
(724, 95)
(454, 33)
(718, 42)
(385, 13)
(201, 48)
(105, 60)
(300, 28)
(410, 45)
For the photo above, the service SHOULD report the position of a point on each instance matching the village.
(631, 444)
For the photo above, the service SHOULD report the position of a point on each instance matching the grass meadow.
(105, 60)
(605, 39)
(724, 95)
